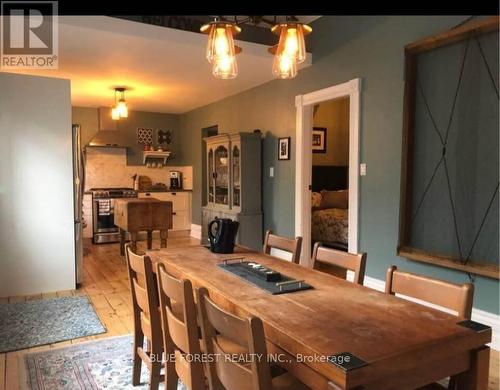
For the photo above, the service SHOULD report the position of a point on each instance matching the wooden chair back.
(144, 296)
(225, 373)
(291, 245)
(457, 297)
(337, 263)
(180, 335)
(147, 322)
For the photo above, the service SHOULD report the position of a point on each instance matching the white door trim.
(303, 160)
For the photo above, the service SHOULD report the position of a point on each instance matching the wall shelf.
(155, 156)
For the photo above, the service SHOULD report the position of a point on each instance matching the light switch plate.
(271, 172)
(362, 169)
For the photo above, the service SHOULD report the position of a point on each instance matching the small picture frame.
(284, 148)
(319, 140)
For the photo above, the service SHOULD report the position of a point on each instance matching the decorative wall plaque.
(164, 137)
(144, 136)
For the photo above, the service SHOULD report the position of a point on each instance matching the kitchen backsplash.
(107, 167)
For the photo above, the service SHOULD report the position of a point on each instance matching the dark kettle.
(222, 235)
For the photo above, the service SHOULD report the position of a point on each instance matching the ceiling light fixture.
(291, 48)
(120, 110)
(288, 53)
(221, 50)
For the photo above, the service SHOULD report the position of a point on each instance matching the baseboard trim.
(478, 315)
(196, 231)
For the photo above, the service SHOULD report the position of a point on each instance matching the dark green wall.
(343, 48)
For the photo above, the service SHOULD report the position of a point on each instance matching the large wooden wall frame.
(477, 27)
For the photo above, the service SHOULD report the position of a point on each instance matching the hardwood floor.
(106, 283)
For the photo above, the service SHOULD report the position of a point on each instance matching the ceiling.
(279, 18)
(164, 68)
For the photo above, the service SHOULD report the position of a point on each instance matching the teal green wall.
(344, 48)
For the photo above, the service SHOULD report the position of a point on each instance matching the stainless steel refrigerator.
(78, 188)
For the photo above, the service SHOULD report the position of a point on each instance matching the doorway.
(304, 151)
(329, 174)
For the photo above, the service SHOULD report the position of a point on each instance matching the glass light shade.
(292, 41)
(220, 42)
(115, 115)
(122, 108)
(284, 66)
(225, 67)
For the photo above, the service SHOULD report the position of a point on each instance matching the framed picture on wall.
(319, 140)
(284, 148)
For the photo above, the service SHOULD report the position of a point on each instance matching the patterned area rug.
(28, 324)
(101, 364)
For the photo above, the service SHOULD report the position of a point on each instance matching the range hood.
(108, 134)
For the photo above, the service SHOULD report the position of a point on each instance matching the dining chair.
(456, 297)
(337, 263)
(147, 321)
(291, 245)
(180, 332)
(249, 371)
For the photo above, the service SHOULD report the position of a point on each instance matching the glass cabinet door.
(236, 176)
(221, 156)
(211, 175)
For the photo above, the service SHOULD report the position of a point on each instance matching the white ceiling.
(164, 68)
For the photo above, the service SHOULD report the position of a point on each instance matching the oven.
(103, 199)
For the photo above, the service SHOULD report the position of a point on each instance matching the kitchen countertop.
(165, 190)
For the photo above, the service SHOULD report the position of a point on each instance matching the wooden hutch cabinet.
(234, 185)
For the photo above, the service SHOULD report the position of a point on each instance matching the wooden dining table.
(339, 335)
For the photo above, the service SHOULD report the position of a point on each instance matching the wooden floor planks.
(106, 284)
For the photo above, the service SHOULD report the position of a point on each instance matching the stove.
(104, 193)
(104, 229)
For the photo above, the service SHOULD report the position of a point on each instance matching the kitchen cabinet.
(234, 185)
(181, 207)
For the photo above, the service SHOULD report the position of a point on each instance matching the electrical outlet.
(271, 172)
(362, 169)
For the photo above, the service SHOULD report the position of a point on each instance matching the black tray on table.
(267, 279)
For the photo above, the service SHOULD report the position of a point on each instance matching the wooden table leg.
(163, 238)
(150, 239)
(122, 242)
(133, 240)
(476, 378)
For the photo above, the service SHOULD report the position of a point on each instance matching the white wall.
(36, 186)
(107, 167)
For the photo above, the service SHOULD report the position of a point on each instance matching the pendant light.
(291, 48)
(115, 115)
(292, 39)
(288, 53)
(120, 110)
(221, 50)
(284, 65)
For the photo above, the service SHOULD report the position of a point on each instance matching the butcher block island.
(136, 215)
